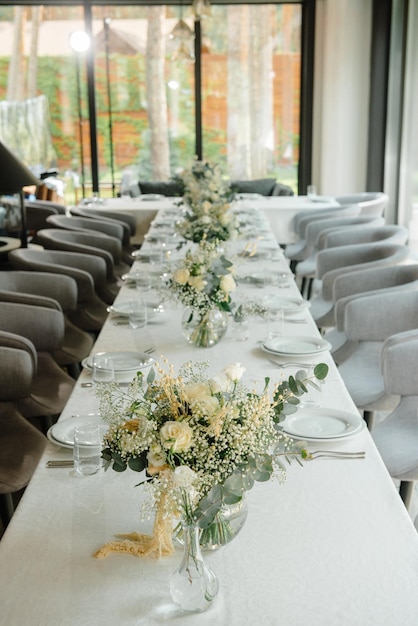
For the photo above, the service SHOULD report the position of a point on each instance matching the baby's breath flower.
(192, 431)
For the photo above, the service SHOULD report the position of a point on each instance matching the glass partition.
(145, 90)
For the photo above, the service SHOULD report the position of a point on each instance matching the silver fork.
(283, 365)
(334, 454)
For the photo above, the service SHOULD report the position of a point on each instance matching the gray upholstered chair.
(87, 243)
(316, 240)
(21, 444)
(60, 209)
(54, 291)
(370, 202)
(334, 262)
(126, 220)
(371, 233)
(36, 216)
(361, 283)
(88, 271)
(396, 437)
(369, 321)
(301, 249)
(44, 328)
(83, 223)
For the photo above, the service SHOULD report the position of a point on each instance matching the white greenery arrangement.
(203, 279)
(207, 201)
(202, 441)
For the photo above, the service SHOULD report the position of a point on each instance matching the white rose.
(234, 371)
(176, 436)
(183, 476)
(207, 405)
(181, 276)
(227, 283)
(197, 282)
(156, 455)
(225, 219)
(194, 391)
(219, 384)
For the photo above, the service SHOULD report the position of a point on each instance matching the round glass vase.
(193, 585)
(204, 329)
(228, 522)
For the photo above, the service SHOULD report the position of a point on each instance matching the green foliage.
(287, 394)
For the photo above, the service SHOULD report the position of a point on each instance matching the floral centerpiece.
(202, 440)
(203, 281)
(207, 200)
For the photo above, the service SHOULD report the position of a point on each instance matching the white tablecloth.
(280, 211)
(332, 546)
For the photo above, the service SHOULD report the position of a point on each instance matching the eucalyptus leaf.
(137, 464)
(151, 376)
(321, 371)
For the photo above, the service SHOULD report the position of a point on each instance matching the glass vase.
(228, 522)
(193, 585)
(204, 329)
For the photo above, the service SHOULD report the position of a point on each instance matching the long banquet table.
(331, 546)
(279, 210)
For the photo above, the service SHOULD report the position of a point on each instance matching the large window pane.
(145, 91)
(251, 88)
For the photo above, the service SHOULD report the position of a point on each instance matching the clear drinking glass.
(311, 191)
(275, 322)
(138, 316)
(103, 370)
(87, 449)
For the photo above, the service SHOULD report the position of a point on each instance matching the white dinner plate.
(123, 361)
(321, 199)
(265, 278)
(289, 305)
(295, 346)
(62, 433)
(151, 197)
(322, 424)
(142, 277)
(122, 309)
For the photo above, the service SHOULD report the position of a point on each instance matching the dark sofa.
(262, 186)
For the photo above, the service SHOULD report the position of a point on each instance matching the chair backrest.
(302, 219)
(36, 216)
(96, 244)
(399, 359)
(344, 258)
(363, 288)
(18, 342)
(16, 373)
(61, 288)
(85, 269)
(85, 223)
(21, 444)
(333, 262)
(377, 316)
(370, 203)
(43, 326)
(374, 279)
(359, 222)
(390, 233)
(48, 204)
(127, 220)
